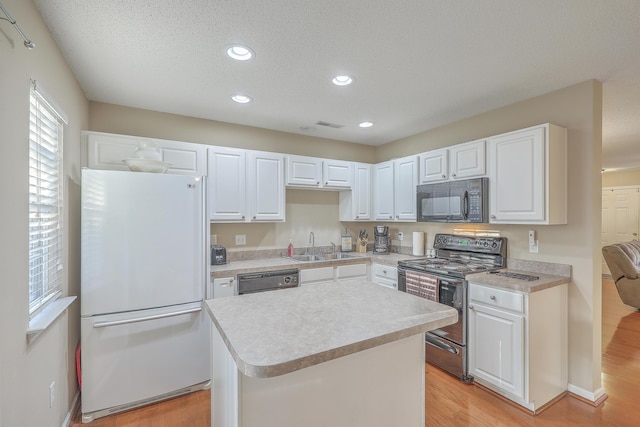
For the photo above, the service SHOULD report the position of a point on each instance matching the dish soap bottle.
(290, 249)
(346, 241)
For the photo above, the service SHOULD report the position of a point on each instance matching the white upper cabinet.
(265, 186)
(434, 165)
(460, 161)
(355, 205)
(313, 172)
(245, 186)
(383, 191)
(394, 194)
(226, 185)
(405, 182)
(528, 176)
(107, 151)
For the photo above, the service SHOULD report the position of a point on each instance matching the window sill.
(46, 317)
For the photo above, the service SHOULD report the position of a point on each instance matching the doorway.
(619, 217)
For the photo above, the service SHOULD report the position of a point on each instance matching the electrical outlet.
(533, 242)
(400, 235)
(241, 239)
(52, 394)
(214, 239)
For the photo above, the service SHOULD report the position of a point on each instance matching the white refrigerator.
(144, 333)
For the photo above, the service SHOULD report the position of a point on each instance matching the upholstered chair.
(623, 260)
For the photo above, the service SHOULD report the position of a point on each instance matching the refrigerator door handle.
(144, 319)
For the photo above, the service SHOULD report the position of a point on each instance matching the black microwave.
(454, 201)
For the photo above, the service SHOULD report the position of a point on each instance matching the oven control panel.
(483, 244)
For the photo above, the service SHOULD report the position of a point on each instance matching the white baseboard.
(594, 396)
(74, 404)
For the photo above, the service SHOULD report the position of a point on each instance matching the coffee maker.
(382, 242)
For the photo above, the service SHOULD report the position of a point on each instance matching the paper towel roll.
(418, 243)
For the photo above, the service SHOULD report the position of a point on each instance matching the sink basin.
(321, 257)
(338, 255)
(306, 258)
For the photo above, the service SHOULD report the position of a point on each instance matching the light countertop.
(281, 263)
(274, 333)
(544, 281)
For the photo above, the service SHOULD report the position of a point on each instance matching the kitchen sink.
(338, 255)
(306, 258)
(321, 257)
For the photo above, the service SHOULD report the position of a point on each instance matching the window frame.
(46, 201)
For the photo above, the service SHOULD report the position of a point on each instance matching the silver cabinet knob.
(326, 183)
(471, 307)
(453, 175)
(493, 297)
(493, 217)
(317, 182)
(444, 176)
(390, 217)
(254, 217)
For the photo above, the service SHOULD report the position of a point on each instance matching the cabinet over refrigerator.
(143, 275)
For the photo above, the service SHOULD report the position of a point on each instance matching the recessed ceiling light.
(239, 52)
(343, 80)
(365, 124)
(241, 99)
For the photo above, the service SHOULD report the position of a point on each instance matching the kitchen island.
(333, 354)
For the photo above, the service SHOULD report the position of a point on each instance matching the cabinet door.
(351, 271)
(517, 176)
(355, 205)
(107, 151)
(310, 276)
(226, 184)
(467, 160)
(384, 275)
(337, 174)
(434, 165)
(223, 287)
(266, 186)
(304, 171)
(405, 182)
(496, 348)
(383, 189)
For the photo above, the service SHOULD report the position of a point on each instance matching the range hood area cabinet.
(394, 189)
(245, 185)
(316, 173)
(527, 172)
(460, 161)
(107, 151)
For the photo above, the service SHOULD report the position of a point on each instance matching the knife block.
(361, 245)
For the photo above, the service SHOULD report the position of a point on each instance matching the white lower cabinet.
(222, 287)
(351, 271)
(384, 275)
(309, 276)
(518, 343)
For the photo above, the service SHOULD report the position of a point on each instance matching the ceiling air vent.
(329, 125)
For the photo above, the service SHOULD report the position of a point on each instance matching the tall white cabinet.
(355, 205)
(518, 342)
(528, 176)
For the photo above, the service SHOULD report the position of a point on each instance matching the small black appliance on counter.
(218, 255)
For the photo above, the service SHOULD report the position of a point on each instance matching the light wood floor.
(451, 403)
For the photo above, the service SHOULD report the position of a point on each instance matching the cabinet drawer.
(316, 274)
(382, 271)
(497, 297)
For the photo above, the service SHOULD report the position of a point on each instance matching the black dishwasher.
(249, 283)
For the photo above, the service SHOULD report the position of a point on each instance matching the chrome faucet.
(312, 240)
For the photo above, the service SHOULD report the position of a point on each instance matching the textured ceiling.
(418, 64)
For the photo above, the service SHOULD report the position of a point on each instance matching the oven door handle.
(441, 345)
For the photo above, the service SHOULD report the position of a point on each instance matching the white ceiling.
(418, 64)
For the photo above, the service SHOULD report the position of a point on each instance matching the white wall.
(27, 370)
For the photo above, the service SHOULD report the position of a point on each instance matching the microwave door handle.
(465, 205)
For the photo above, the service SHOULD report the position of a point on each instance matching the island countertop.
(269, 334)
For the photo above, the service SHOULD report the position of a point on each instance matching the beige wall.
(622, 178)
(578, 108)
(27, 370)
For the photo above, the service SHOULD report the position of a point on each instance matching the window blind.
(45, 202)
